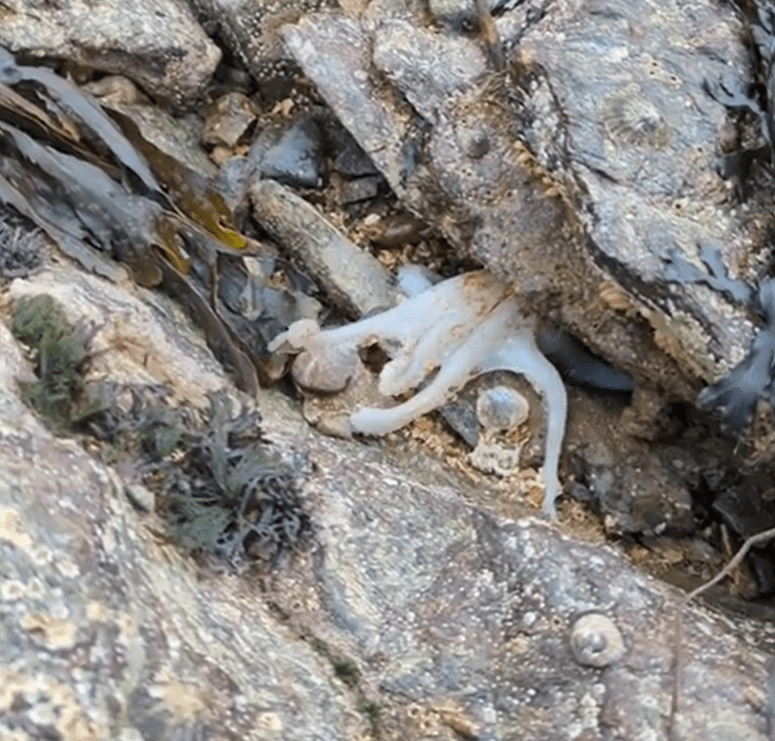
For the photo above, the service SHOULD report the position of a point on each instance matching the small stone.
(362, 189)
(596, 641)
(295, 158)
(228, 120)
(142, 499)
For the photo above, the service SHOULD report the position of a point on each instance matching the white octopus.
(461, 327)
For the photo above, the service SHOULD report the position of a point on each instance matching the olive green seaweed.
(59, 395)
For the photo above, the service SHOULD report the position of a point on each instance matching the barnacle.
(633, 119)
(459, 329)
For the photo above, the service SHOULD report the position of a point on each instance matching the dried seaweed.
(758, 100)
(69, 168)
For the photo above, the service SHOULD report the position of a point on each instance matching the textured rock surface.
(155, 42)
(586, 160)
(251, 30)
(416, 616)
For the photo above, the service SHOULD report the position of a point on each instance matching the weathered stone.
(251, 29)
(228, 120)
(581, 166)
(418, 614)
(292, 155)
(157, 43)
(349, 275)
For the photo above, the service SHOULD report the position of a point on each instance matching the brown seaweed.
(71, 169)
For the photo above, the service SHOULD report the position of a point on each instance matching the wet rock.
(351, 161)
(471, 633)
(351, 276)
(292, 156)
(228, 120)
(618, 167)
(157, 43)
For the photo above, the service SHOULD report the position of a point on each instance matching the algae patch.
(224, 492)
(60, 395)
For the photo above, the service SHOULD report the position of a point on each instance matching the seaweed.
(224, 492)
(60, 395)
(717, 277)
(735, 396)
(757, 101)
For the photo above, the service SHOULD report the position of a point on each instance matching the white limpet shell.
(461, 327)
(596, 641)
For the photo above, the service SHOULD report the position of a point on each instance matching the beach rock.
(250, 29)
(580, 171)
(156, 43)
(415, 614)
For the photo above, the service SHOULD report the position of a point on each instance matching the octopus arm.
(520, 354)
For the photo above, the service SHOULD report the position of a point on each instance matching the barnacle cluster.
(436, 341)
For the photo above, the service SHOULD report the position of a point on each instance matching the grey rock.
(417, 615)
(157, 43)
(360, 189)
(350, 275)
(292, 156)
(582, 166)
(250, 28)
(351, 161)
(142, 498)
(228, 120)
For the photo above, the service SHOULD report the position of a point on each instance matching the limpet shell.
(596, 641)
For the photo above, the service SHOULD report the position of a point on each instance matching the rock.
(142, 498)
(559, 180)
(19, 254)
(177, 137)
(360, 189)
(417, 613)
(349, 275)
(250, 28)
(157, 43)
(351, 161)
(293, 155)
(228, 120)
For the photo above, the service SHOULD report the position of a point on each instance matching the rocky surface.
(157, 42)
(575, 171)
(415, 614)
(251, 28)
(428, 606)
